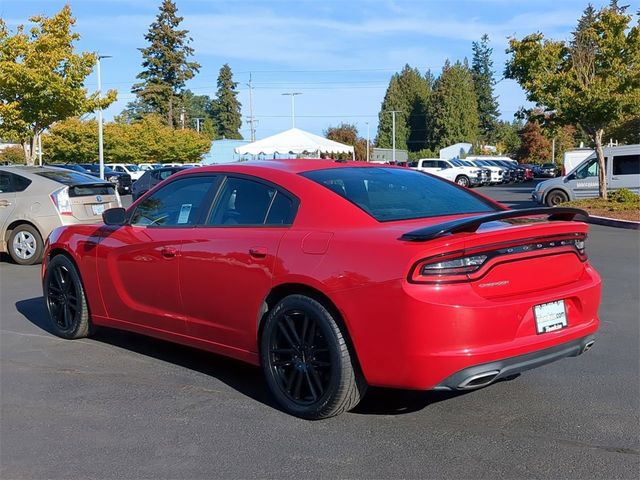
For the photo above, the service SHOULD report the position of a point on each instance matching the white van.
(572, 158)
(622, 166)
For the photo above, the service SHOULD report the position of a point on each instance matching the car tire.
(556, 197)
(65, 299)
(463, 181)
(25, 245)
(308, 365)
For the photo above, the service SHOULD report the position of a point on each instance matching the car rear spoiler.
(471, 224)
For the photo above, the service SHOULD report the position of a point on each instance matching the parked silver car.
(35, 200)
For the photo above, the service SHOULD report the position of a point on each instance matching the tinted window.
(242, 202)
(626, 165)
(5, 183)
(394, 194)
(281, 211)
(67, 177)
(177, 204)
(20, 183)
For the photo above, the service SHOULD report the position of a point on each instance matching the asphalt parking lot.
(122, 405)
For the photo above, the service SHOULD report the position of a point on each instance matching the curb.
(612, 222)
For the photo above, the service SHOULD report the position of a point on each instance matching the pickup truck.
(464, 176)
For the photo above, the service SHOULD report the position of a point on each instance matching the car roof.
(294, 166)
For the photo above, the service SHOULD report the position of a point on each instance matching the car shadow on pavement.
(244, 378)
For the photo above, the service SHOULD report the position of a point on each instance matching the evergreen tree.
(392, 101)
(455, 108)
(165, 64)
(226, 107)
(408, 93)
(482, 70)
(198, 113)
(506, 137)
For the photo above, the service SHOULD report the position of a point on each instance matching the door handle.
(5, 203)
(168, 252)
(258, 252)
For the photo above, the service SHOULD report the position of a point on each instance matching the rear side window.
(11, 182)
(177, 204)
(389, 194)
(6, 186)
(242, 202)
(626, 165)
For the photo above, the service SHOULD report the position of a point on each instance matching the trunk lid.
(510, 253)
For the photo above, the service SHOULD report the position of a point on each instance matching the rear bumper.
(482, 375)
(419, 336)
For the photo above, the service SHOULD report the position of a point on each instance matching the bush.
(624, 195)
(12, 155)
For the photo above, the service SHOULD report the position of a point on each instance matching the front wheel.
(306, 361)
(65, 299)
(556, 197)
(462, 181)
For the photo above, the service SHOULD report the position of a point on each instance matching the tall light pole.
(251, 117)
(367, 141)
(293, 107)
(100, 145)
(393, 134)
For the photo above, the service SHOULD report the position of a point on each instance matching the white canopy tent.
(294, 141)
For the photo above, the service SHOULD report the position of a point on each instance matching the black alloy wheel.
(65, 299)
(299, 356)
(306, 360)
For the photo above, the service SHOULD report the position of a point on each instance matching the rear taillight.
(60, 199)
(454, 266)
(470, 264)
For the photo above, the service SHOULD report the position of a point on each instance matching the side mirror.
(114, 216)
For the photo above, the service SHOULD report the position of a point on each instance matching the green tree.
(506, 137)
(148, 140)
(455, 108)
(11, 155)
(166, 65)
(73, 141)
(482, 71)
(347, 133)
(409, 93)
(627, 131)
(592, 81)
(393, 101)
(42, 78)
(199, 113)
(226, 109)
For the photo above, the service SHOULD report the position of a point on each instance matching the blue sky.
(338, 53)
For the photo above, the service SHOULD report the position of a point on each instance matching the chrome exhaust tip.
(588, 345)
(479, 380)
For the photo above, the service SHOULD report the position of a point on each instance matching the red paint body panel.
(206, 286)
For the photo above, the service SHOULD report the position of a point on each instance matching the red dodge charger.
(333, 276)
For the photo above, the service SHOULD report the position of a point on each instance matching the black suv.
(121, 180)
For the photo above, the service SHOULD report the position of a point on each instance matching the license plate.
(98, 209)
(550, 316)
